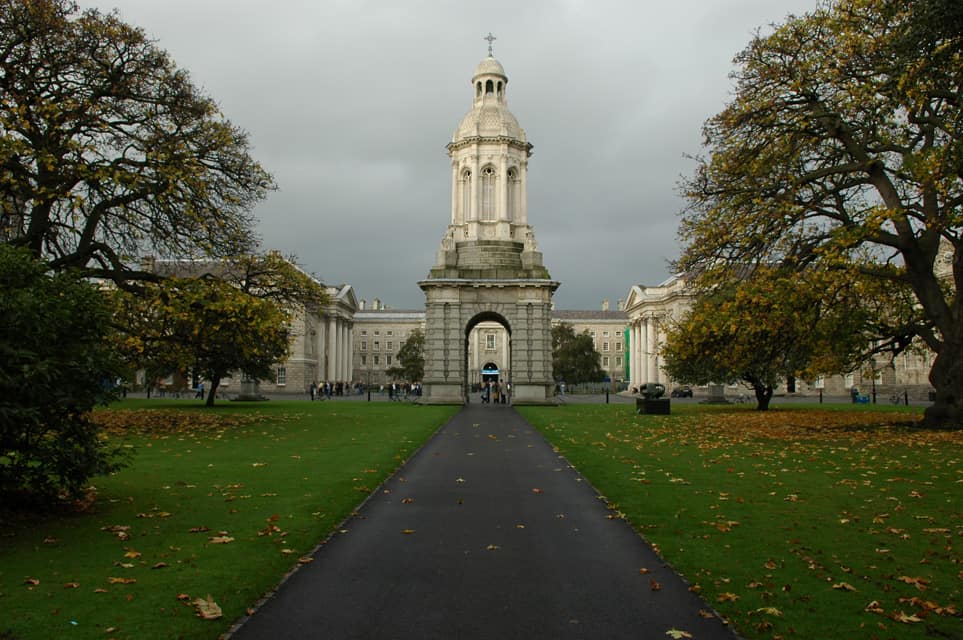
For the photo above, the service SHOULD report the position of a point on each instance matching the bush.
(55, 366)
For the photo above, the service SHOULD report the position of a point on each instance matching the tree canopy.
(55, 366)
(108, 151)
(411, 358)
(574, 358)
(843, 147)
(771, 327)
(203, 325)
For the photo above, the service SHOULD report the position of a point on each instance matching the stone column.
(332, 349)
(473, 213)
(522, 194)
(454, 194)
(502, 188)
(659, 341)
(650, 346)
(350, 352)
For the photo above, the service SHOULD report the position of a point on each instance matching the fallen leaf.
(71, 585)
(32, 581)
(844, 586)
(771, 611)
(919, 583)
(537, 490)
(305, 560)
(183, 597)
(493, 547)
(114, 580)
(654, 585)
(678, 634)
(220, 539)
(727, 597)
(207, 609)
(408, 532)
(132, 554)
(159, 565)
(905, 618)
(644, 571)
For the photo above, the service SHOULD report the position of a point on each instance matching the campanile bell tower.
(488, 267)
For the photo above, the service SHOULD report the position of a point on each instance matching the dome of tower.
(490, 66)
(489, 120)
(489, 117)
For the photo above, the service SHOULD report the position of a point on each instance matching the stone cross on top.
(490, 39)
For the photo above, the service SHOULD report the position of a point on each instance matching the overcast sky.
(350, 103)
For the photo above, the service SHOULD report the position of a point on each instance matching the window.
(618, 361)
(364, 332)
(605, 346)
(377, 359)
(389, 333)
(377, 333)
(618, 346)
(364, 345)
(488, 194)
(490, 342)
(364, 359)
(605, 334)
(605, 361)
(466, 195)
(593, 334)
(377, 346)
(513, 197)
(391, 346)
(388, 359)
(282, 375)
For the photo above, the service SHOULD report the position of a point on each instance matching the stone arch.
(475, 375)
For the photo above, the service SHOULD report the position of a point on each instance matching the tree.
(843, 148)
(204, 325)
(766, 329)
(55, 366)
(107, 150)
(574, 358)
(411, 358)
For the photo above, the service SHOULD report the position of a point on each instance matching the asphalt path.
(485, 533)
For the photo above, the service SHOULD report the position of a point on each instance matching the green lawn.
(808, 523)
(218, 502)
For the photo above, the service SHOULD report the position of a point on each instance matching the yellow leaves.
(727, 597)
(207, 609)
(407, 532)
(221, 539)
(844, 586)
(678, 634)
(919, 583)
(115, 580)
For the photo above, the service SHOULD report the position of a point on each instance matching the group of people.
(328, 390)
(396, 390)
(495, 393)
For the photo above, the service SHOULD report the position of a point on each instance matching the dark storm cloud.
(350, 105)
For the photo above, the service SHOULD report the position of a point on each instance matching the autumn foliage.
(842, 145)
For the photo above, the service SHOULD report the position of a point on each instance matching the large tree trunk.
(947, 378)
(215, 382)
(763, 396)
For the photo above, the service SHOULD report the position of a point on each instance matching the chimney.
(361, 304)
(375, 304)
(605, 304)
(621, 305)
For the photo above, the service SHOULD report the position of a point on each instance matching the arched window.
(488, 194)
(513, 196)
(499, 88)
(466, 194)
(478, 89)
(489, 87)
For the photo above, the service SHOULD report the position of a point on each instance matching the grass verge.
(805, 522)
(218, 503)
